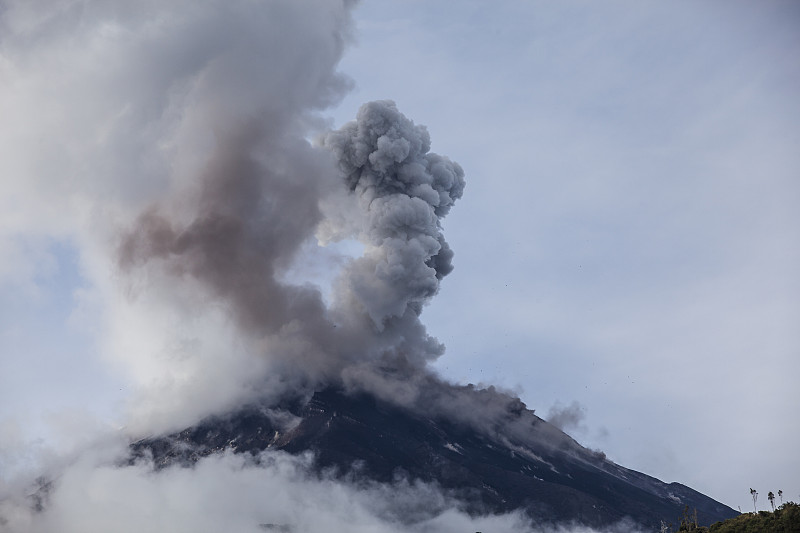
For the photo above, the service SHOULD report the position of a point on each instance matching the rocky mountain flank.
(540, 470)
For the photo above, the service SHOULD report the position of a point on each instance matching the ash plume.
(175, 156)
(258, 201)
(404, 191)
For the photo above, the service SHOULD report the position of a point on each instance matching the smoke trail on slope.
(566, 417)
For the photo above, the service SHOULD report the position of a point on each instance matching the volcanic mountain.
(518, 462)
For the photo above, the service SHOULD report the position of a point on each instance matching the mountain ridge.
(545, 472)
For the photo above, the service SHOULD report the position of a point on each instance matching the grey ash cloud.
(259, 199)
(176, 155)
(399, 191)
(567, 417)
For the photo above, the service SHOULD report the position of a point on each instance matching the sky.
(625, 246)
(627, 238)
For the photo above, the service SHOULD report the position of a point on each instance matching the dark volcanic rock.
(490, 472)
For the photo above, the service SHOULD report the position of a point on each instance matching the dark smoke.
(249, 220)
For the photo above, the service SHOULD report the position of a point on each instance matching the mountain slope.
(552, 479)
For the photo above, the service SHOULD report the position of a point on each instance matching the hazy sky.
(627, 239)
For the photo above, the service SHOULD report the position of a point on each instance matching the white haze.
(270, 492)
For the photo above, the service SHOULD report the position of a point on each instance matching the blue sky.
(627, 239)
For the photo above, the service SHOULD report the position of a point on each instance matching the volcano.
(539, 469)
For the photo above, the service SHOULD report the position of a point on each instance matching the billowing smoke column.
(261, 194)
(404, 191)
(249, 217)
(173, 151)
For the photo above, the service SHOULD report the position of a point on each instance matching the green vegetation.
(784, 519)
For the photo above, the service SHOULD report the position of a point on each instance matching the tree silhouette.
(754, 494)
(780, 495)
(771, 498)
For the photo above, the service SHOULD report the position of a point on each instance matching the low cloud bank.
(269, 492)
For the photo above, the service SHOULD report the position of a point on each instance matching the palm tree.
(780, 495)
(771, 498)
(754, 494)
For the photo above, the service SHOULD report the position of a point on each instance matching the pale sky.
(629, 235)
(627, 240)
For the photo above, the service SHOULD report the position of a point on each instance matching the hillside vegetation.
(785, 519)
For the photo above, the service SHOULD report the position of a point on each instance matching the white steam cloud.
(167, 143)
(269, 492)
